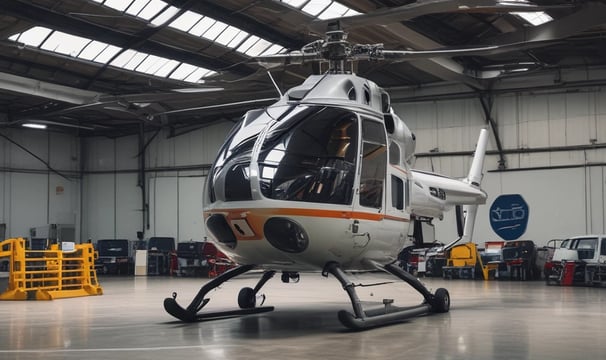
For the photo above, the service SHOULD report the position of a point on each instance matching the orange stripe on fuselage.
(240, 213)
(256, 217)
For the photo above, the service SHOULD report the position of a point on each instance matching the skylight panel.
(164, 16)
(202, 26)
(295, 3)
(152, 9)
(335, 10)
(351, 12)
(211, 29)
(258, 48)
(274, 49)
(119, 5)
(166, 69)
(129, 59)
(90, 51)
(227, 35)
(183, 71)
(107, 54)
(247, 44)
(215, 30)
(315, 7)
(198, 74)
(98, 51)
(32, 37)
(65, 44)
(237, 39)
(151, 64)
(186, 21)
(136, 6)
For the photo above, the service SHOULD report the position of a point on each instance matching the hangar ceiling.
(118, 67)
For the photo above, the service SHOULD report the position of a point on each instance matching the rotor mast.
(336, 49)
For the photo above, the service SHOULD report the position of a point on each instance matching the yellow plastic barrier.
(49, 274)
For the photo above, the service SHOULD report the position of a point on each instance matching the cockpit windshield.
(308, 154)
(311, 157)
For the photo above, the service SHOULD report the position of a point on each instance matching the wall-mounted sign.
(509, 216)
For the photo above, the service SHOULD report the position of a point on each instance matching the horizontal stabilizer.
(432, 193)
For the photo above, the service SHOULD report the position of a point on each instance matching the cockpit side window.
(374, 164)
(314, 161)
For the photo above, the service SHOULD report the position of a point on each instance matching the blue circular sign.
(509, 216)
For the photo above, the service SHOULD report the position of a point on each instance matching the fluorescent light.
(34, 126)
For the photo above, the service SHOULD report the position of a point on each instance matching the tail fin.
(474, 178)
(475, 172)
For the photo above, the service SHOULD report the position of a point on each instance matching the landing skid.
(359, 320)
(246, 298)
(364, 319)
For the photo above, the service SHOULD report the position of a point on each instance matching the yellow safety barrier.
(49, 274)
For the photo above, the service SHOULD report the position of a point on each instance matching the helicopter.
(321, 181)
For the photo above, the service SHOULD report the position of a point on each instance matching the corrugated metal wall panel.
(28, 202)
(129, 215)
(190, 222)
(99, 204)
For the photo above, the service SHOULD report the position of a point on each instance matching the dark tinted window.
(113, 247)
(397, 192)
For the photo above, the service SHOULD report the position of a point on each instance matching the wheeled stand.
(364, 319)
(246, 298)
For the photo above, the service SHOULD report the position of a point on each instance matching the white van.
(585, 254)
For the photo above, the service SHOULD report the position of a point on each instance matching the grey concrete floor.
(488, 320)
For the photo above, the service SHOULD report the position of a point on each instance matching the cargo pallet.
(49, 274)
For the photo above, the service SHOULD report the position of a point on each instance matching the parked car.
(519, 261)
(115, 256)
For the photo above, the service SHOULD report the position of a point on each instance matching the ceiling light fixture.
(34, 126)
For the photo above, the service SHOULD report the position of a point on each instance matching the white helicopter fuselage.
(321, 176)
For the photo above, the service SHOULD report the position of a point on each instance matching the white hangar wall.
(555, 151)
(175, 170)
(39, 180)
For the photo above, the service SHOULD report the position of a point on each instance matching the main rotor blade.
(220, 106)
(420, 8)
(404, 55)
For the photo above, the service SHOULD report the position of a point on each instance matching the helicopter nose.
(218, 226)
(286, 235)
